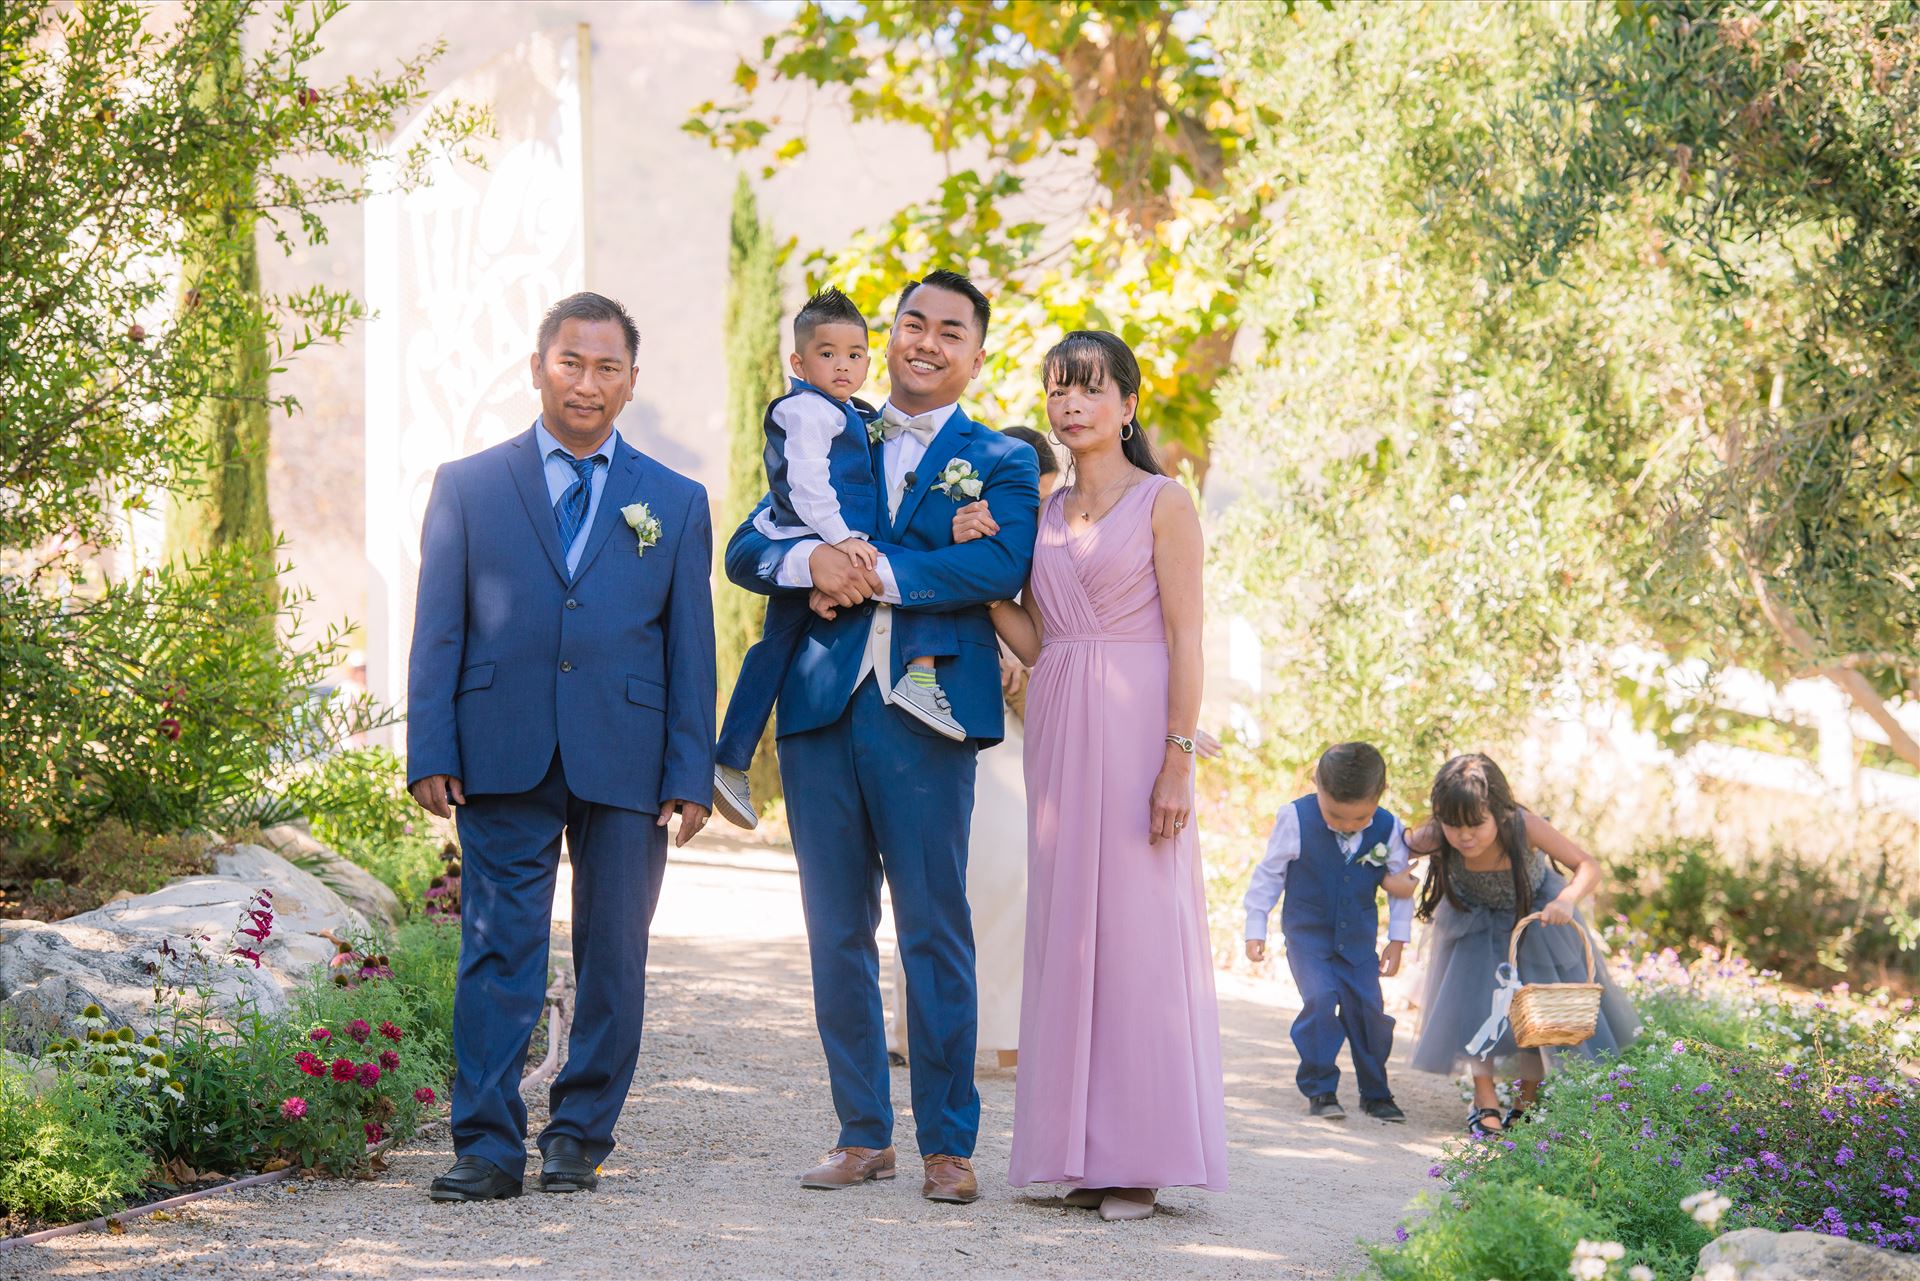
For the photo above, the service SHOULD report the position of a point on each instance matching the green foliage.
(754, 377)
(77, 873)
(70, 1152)
(220, 1066)
(1116, 114)
(1404, 540)
(356, 803)
(1505, 1230)
(426, 960)
(1812, 918)
(162, 701)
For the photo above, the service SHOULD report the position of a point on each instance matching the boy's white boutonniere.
(959, 481)
(1375, 857)
(646, 530)
(876, 430)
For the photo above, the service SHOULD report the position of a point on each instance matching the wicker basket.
(1552, 1013)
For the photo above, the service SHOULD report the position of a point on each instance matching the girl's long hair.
(1092, 358)
(1465, 791)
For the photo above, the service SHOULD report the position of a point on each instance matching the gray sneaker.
(927, 703)
(733, 797)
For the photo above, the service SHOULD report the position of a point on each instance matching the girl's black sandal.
(1477, 1122)
(1514, 1117)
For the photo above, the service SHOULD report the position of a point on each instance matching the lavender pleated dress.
(1120, 1081)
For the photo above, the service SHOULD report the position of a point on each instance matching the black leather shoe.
(1327, 1107)
(1382, 1109)
(474, 1178)
(566, 1168)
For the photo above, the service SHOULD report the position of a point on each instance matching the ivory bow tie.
(921, 427)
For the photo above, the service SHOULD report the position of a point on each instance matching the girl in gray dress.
(1490, 862)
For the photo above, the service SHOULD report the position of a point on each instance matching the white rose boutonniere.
(1375, 857)
(646, 529)
(876, 430)
(959, 481)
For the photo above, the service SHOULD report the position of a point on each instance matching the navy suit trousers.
(873, 795)
(510, 854)
(1340, 1000)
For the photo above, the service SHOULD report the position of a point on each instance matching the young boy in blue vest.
(1330, 854)
(820, 479)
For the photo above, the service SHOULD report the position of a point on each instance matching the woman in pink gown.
(1120, 1090)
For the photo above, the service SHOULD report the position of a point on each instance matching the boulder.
(1755, 1254)
(359, 887)
(111, 956)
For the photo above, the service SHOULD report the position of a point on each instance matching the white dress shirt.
(1270, 877)
(899, 455)
(810, 423)
(561, 476)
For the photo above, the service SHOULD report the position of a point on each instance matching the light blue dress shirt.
(1269, 879)
(560, 478)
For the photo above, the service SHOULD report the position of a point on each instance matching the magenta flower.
(391, 1032)
(374, 1132)
(293, 1108)
(343, 1069)
(389, 1060)
(368, 1076)
(320, 1035)
(360, 1030)
(424, 1095)
(307, 1061)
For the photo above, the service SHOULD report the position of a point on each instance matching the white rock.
(359, 887)
(50, 972)
(1754, 1254)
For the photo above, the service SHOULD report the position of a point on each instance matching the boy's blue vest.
(849, 463)
(1332, 906)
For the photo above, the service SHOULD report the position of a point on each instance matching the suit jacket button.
(566, 667)
(573, 604)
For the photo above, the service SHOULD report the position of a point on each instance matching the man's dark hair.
(828, 307)
(954, 283)
(1049, 461)
(1352, 772)
(591, 307)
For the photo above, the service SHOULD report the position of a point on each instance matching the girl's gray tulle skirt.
(1466, 947)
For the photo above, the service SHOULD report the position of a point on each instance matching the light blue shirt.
(560, 478)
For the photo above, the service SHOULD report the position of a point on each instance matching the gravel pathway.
(731, 1103)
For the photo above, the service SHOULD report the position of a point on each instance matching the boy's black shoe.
(1382, 1109)
(1327, 1107)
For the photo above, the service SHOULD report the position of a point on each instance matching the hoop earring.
(1055, 440)
(1129, 431)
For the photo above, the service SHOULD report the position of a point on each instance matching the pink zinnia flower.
(423, 1095)
(389, 1060)
(374, 1132)
(294, 1108)
(310, 1063)
(391, 1032)
(320, 1035)
(360, 1030)
(343, 1069)
(368, 1075)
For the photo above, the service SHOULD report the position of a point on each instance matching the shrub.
(345, 1083)
(71, 1152)
(426, 959)
(66, 874)
(357, 804)
(1497, 1230)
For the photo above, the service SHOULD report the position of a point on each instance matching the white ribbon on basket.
(1506, 983)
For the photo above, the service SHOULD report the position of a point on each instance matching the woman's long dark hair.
(1092, 358)
(1465, 791)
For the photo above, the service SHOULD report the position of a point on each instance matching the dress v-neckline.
(1078, 534)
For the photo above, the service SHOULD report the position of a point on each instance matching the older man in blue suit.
(562, 681)
(870, 791)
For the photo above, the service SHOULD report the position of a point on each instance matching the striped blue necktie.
(571, 510)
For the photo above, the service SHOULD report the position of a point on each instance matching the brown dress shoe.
(950, 1179)
(845, 1167)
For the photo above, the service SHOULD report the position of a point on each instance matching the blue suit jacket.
(933, 575)
(511, 660)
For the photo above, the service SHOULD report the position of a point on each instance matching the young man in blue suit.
(561, 681)
(871, 791)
